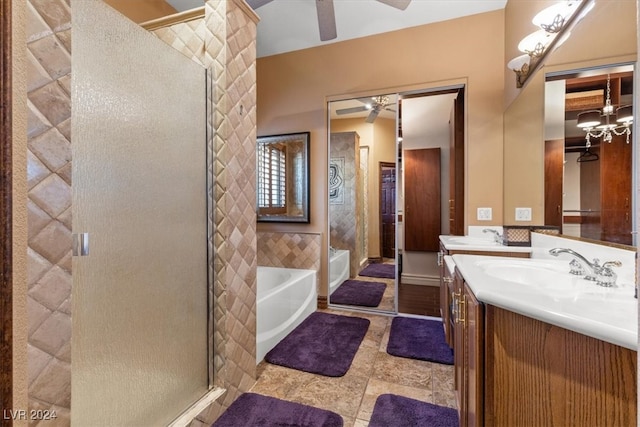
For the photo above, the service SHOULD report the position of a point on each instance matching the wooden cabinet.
(543, 375)
(446, 291)
(446, 284)
(468, 352)
(512, 370)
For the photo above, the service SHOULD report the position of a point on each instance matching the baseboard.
(419, 279)
(375, 260)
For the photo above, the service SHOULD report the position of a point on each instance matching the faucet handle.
(606, 276)
(576, 268)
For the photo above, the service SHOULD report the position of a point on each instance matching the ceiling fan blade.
(257, 3)
(372, 115)
(351, 110)
(398, 4)
(326, 19)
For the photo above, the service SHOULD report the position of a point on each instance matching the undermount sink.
(529, 273)
(468, 240)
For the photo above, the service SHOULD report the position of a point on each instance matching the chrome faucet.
(603, 275)
(497, 237)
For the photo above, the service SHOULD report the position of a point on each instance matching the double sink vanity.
(542, 335)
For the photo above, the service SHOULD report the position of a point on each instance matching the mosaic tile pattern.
(289, 250)
(373, 372)
(49, 206)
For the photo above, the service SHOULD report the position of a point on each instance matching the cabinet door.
(446, 279)
(459, 348)
(474, 357)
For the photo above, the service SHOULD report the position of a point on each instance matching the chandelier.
(604, 124)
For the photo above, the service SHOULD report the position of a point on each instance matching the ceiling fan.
(374, 104)
(326, 14)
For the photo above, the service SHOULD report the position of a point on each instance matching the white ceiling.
(288, 25)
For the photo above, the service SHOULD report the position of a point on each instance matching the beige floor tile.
(399, 370)
(376, 387)
(342, 395)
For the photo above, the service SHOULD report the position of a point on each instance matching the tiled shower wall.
(230, 56)
(346, 213)
(49, 206)
(225, 44)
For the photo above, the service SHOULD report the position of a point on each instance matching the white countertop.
(484, 244)
(571, 302)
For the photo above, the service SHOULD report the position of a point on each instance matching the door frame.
(389, 165)
(6, 218)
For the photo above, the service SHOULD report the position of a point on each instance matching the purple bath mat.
(421, 339)
(391, 410)
(383, 271)
(359, 292)
(323, 344)
(252, 409)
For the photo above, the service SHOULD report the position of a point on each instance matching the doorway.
(388, 210)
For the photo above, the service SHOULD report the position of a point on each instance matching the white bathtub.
(338, 269)
(285, 297)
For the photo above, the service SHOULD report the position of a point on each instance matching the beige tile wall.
(49, 206)
(345, 231)
(289, 250)
(225, 43)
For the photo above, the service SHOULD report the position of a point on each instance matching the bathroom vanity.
(452, 245)
(535, 345)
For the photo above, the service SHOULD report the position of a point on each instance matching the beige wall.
(143, 10)
(293, 89)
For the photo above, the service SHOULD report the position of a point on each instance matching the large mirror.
(574, 80)
(589, 153)
(283, 178)
(392, 179)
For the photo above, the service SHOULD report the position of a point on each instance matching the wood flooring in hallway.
(372, 373)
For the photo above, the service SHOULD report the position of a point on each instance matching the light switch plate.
(484, 214)
(523, 214)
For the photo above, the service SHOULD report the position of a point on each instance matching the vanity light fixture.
(600, 124)
(554, 23)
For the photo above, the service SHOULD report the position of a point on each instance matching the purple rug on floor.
(383, 271)
(391, 410)
(358, 292)
(252, 409)
(323, 344)
(421, 339)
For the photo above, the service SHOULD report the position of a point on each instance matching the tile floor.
(372, 373)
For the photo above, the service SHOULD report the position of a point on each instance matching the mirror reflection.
(395, 171)
(588, 159)
(283, 178)
(362, 205)
(589, 207)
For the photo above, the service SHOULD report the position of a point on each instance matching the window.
(272, 178)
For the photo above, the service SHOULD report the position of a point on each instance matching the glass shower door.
(140, 346)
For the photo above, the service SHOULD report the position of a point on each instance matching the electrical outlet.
(523, 214)
(484, 214)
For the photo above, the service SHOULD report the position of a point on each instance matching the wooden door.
(422, 200)
(553, 173)
(456, 166)
(388, 209)
(615, 201)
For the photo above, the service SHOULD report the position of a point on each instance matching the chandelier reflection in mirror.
(554, 24)
(604, 124)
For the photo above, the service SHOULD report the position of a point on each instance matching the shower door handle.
(80, 244)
